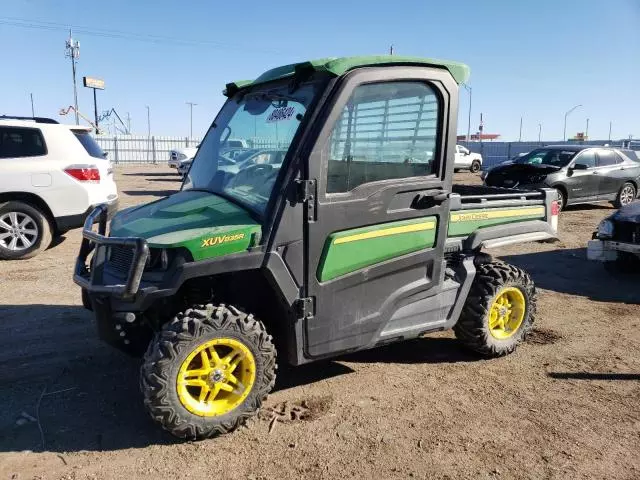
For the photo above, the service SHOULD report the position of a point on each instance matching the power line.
(120, 34)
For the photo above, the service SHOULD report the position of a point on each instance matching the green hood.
(204, 223)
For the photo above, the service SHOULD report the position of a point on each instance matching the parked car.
(578, 173)
(617, 240)
(179, 155)
(465, 159)
(509, 161)
(243, 160)
(51, 177)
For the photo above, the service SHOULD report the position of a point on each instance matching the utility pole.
(391, 50)
(128, 123)
(586, 132)
(72, 51)
(539, 132)
(33, 112)
(564, 135)
(468, 88)
(610, 122)
(191, 105)
(520, 137)
(148, 122)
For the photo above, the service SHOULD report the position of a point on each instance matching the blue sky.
(530, 59)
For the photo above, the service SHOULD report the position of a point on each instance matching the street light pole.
(191, 105)
(539, 132)
(468, 88)
(610, 122)
(564, 135)
(586, 132)
(520, 137)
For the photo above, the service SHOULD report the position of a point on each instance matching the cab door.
(374, 244)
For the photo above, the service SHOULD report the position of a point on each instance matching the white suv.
(51, 177)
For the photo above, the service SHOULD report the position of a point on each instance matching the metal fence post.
(153, 148)
(186, 141)
(115, 148)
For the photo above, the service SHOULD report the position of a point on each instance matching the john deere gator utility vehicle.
(345, 234)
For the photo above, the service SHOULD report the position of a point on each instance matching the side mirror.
(580, 166)
(467, 153)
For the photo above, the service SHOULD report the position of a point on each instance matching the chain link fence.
(126, 149)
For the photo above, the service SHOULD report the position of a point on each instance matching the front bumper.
(607, 250)
(91, 276)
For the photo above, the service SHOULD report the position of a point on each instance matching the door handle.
(429, 198)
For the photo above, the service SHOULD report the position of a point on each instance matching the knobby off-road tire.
(29, 220)
(170, 350)
(495, 282)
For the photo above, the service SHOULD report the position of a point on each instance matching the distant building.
(477, 137)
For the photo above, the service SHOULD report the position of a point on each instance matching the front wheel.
(499, 311)
(207, 371)
(475, 166)
(561, 199)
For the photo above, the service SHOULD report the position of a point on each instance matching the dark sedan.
(580, 174)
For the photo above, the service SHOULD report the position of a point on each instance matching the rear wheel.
(24, 231)
(208, 371)
(626, 195)
(499, 310)
(475, 166)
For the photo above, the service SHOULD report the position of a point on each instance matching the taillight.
(555, 208)
(84, 174)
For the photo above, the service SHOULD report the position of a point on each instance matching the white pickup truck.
(467, 160)
(179, 155)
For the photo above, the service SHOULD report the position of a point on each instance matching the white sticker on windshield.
(279, 114)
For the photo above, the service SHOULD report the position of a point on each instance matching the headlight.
(158, 259)
(605, 229)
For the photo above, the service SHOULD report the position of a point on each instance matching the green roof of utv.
(339, 66)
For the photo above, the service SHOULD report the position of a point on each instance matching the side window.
(21, 142)
(588, 158)
(386, 131)
(606, 158)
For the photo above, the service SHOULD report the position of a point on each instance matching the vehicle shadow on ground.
(151, 174)
(149, 193)
(55, 374)
(594, 376)
(568, 271)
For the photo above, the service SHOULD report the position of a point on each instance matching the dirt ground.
(565, 405)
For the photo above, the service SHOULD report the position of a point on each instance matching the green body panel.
(465, 222)
(339, 66)
(207, 225)
(350, 250)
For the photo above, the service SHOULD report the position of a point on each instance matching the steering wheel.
(249, 174)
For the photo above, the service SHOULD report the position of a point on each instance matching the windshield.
(89, 144)
(265, 121)
(554, 157)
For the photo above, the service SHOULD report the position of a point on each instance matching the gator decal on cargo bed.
(467, 221)
(350, 250)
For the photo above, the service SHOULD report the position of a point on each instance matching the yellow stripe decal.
(473, 216)
(385, 232)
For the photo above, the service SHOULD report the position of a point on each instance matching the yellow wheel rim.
(216, 377)
(507, 313)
